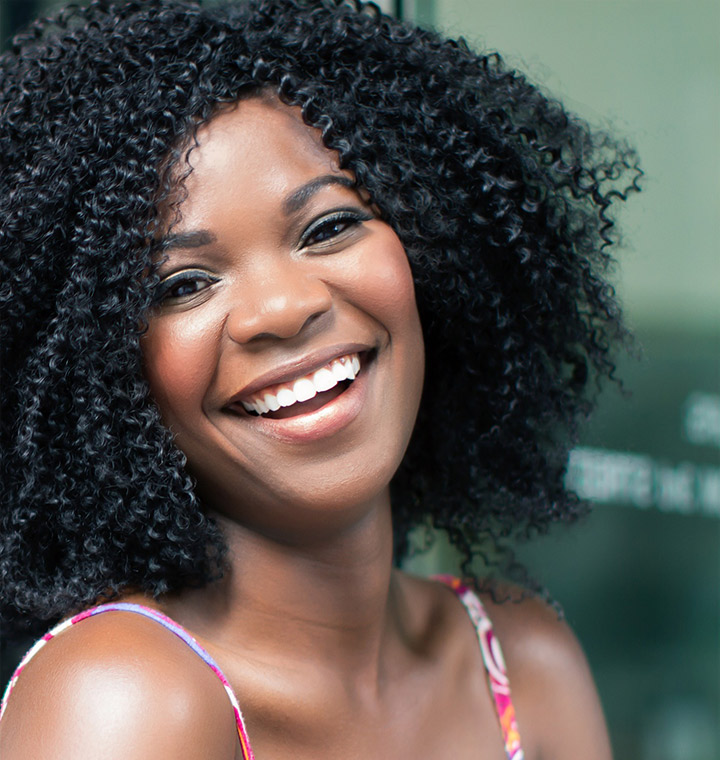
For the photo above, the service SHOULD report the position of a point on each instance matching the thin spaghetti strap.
(158, 617)
(494, 665)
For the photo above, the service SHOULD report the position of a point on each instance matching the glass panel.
(640, 580)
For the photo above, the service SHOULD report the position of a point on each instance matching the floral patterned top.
(494, 665)
(490, 648)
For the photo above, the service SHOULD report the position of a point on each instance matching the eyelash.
(349, 218)
(164, 288)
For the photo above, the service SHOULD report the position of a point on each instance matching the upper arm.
(557, 706)
(117, 689)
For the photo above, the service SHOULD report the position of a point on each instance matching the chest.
(455, 719)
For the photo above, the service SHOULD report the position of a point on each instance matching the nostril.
(282, 308)
(314, 317)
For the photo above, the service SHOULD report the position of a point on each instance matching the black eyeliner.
(188, 275)
(339, 215)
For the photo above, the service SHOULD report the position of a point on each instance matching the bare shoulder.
(557, 705)
(117, 686)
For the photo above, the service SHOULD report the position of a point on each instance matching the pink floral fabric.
(494, 665)
(489, 645)
(165, 621)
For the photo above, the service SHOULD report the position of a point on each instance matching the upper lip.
(298, 367)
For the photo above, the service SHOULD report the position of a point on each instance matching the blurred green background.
(640, 579)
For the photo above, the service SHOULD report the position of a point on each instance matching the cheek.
(389, 294)
(389, 290)
(177, 363)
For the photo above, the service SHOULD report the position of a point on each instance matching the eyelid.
(184, 275)
(342, 214)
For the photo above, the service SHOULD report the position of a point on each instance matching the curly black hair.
(500, 197)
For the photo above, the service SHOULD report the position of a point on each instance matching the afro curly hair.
(500, 197)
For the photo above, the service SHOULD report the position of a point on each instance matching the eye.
(182, 285)
(331, 226)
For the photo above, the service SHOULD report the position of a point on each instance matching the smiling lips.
(304, 388)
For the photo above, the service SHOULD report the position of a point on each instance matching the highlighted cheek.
(392, 288)
(176, 387)
(178, 366)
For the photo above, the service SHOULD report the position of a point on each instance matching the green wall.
(651, 70)
(640, 580)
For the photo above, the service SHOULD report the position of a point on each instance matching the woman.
(236, 242)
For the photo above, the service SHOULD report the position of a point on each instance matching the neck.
(335, 601)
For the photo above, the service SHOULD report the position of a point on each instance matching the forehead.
(258, 141)
(245, 162)
(252, 166)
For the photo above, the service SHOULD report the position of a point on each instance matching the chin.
(323, 507)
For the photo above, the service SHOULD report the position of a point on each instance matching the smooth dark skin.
(332, 652)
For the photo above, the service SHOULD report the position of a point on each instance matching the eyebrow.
(298, 198)
(292, 204)
(192, 239)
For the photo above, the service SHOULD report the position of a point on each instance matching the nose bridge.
(276, 300)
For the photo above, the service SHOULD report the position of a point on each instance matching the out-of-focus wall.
(650, 69)
(640, 580)
(15, 13)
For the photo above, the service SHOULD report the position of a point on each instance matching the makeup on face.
(293, 394)
(284, 351)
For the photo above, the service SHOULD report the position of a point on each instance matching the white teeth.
(271, 402)
(339, 371)
(324, 379)
(286, 397)
(304, 389)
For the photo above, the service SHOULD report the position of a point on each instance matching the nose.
(279, 304)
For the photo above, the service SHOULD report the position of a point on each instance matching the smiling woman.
(282, 281)
(297, 282)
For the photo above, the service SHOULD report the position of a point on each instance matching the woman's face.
(280, 284)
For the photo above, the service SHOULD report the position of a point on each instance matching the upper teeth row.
(306, 387)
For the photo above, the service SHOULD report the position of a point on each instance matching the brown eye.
(331, 226)
(182, 285)
(330, 229)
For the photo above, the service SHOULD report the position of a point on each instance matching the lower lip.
(323, 422)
